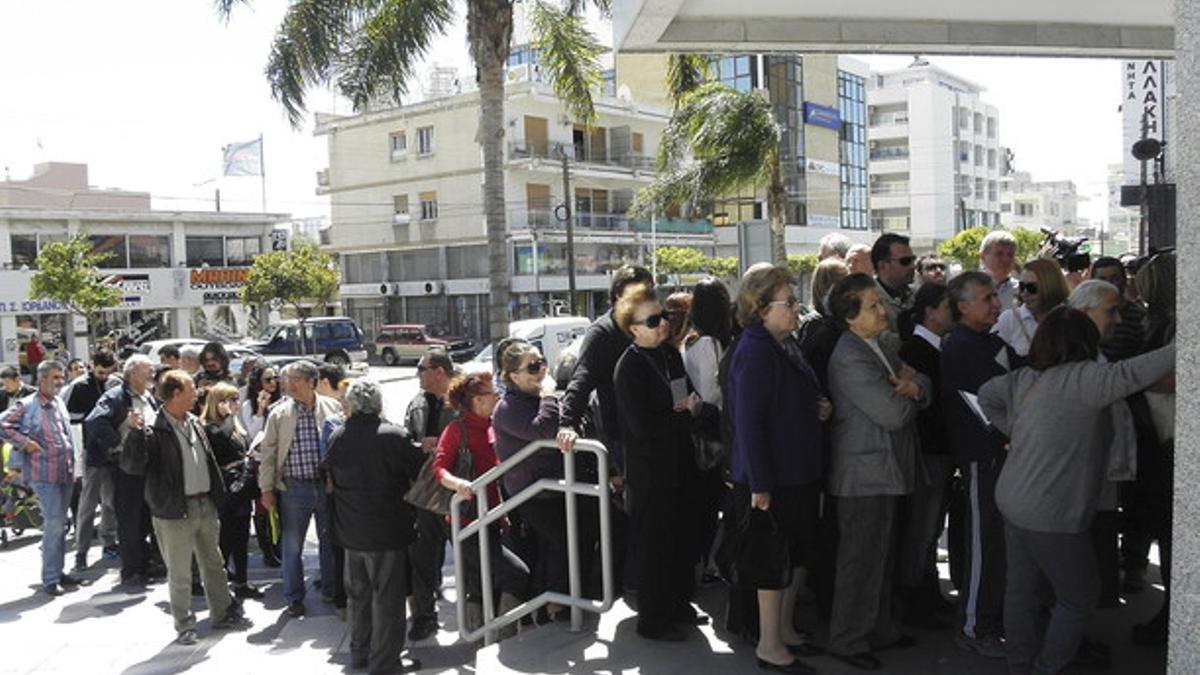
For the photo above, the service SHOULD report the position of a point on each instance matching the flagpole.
(262, 170)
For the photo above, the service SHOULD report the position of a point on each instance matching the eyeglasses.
(905, 260)
(270, 379)
(789, 303)
(422, 369)
(654, 320)
(535, 367)
(934, 267)
(1029, 287)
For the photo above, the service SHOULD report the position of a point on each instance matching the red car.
(408, 342)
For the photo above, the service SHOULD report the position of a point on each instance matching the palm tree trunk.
(489, 28)
(776, 200)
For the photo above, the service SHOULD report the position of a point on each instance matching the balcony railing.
(884, 154)
(579, 153)
(544, 219)
(891, 223)
(894, 188)
(889, 119)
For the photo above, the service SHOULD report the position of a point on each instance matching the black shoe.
(295, 609)
(902, 642)
(796, 666)
(1134, 582)
(53, 590)
(246, 591)
(80, 565)
(233, 620)
(671, 634)
(423, 627)
(68, 580)
(861, 660)
(188, 637)
(689, 617)
(1092, 656)
(806, 649)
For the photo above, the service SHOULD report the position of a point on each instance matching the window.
(397, 145)
(240, 251)
(738, 72)
(964, 118)
(980, 188)
(979, 123)
(149, 251)
(205, 251)
(429, 206)
(24, 250)
(991, 127)
(992, 190)
(1024, 209)
(979, 155)
(113, 247)
(964, 151)
(853, 151)
(425, 141)
(991, 162)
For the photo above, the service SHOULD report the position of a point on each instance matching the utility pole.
(569, 219)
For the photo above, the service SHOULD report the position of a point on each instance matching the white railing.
(487, 515)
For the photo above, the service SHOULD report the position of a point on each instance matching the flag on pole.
(242, 159)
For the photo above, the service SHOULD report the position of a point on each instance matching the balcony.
(676, 226)
(891, 188)
(891, 223)
(578, 153)
(886, 154)
(544, 220)
(889, 119)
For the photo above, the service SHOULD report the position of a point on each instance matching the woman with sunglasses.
(1040, 289)
(775, 407)
(656, 407)
(527, 412)
(262, 391)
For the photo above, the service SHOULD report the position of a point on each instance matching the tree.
(964, 246)
(688, 260)
(68, 273)
(367, 50)
(300, 278)
(802, 265)
(719, 141)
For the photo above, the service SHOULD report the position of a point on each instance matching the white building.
(1121, 228)
(179, 271)
(405, 186)
(936, 158)
(1032, 204)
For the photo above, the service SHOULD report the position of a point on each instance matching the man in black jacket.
(603, 344)
(13, 388)
(183, 487)
(371, 465)
(106, 428)
(972, 355)
(924, 511)
(99, 467)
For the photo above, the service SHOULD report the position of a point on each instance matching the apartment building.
(1033, 205)
(935, 154)
(405, 186)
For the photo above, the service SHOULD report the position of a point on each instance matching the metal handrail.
(486, 516)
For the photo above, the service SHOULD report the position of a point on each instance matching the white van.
(550, 334)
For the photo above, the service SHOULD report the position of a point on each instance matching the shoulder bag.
(429, 494)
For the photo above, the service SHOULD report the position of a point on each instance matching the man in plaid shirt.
(291, 451)
(38, 429)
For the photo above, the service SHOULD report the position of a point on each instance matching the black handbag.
(429, 494)
(241, 480)
(755, 554)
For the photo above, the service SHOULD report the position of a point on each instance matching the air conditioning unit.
(432, 287)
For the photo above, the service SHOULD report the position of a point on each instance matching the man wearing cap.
(13, 388)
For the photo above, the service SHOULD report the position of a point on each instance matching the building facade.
(405, 186)
(935, 156)
(179, 271)
(1033, 205)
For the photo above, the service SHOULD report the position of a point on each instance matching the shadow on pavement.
(11, 611)
(103, 604)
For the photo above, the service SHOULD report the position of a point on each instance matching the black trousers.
(661, 553)
(981, 603)
(425, 558)
(133, 523)
(235, 539)
(375, 586)
(922, 517)
(547, 516)
(1104, 530)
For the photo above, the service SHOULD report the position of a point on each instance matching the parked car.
(553, 336)
(153, 348)
(335, 339)
(408, 342)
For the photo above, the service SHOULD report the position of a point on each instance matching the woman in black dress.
(657, 407)
(228, 441)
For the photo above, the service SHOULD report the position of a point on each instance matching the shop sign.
(221, 298)
(823, 220)
(822, 116)
(219, 278)
(822, 167)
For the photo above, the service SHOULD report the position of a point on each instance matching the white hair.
(363, 397)
(135, 361)
(190, 352)
(1091, 293)
(997, 238)
(834, 244)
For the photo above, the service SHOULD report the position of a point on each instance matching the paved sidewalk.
(102, 629)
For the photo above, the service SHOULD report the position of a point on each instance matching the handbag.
(429, 494)
(710, 452)
(755, 553)
(241, 479)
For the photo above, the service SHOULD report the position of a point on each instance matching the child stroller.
(20, 506)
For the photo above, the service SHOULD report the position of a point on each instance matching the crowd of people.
(1025, 418)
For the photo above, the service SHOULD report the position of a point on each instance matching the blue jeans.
(296, 507)
(53, 500)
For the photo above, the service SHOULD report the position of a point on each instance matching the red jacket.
(35, 353)
(480, 440)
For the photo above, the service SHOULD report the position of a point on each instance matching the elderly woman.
(656, 406)
(1051, 481)
(1040, 289)
(528, 412)
(370, 465)
(874, 462)
(776, 409)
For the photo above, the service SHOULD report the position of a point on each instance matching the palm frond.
(225, 7)
(378, 58)
(570, 55)
(304, 51)
(578, 7)
(685, 73)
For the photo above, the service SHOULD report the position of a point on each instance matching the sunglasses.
(654, 320)
(906, 260)
(935, 267)
(270, 379)
(1029, 287)
(789, 303)
(535, 367)
(422, 369)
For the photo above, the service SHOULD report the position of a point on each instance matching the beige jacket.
(278, 436)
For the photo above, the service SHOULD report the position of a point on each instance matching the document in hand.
(972, 402)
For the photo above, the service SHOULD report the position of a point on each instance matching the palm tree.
(367, 50)
(719, 141)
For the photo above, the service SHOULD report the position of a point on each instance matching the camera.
(1066, 251)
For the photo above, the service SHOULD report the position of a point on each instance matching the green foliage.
(685, 74)
(303, 275)
(964, 246)
(801, 265)
(68, 273)
(570, 54)
(688, 260)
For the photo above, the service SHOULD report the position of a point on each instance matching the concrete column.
(1184, 649)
